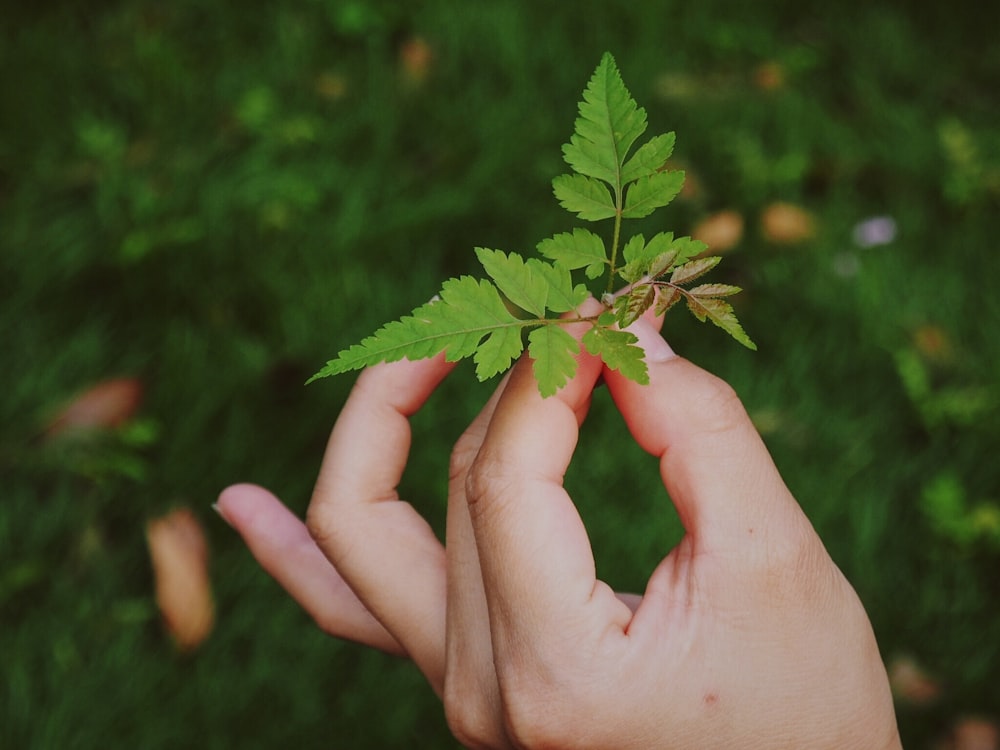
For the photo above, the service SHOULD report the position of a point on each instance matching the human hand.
(747, 636)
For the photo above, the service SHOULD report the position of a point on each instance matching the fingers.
(471, 693)
(714, 464)
(382, 547)
(282, 545)
(537, 566)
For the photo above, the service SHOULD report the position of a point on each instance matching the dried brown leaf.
(694, 269)
(973, 733)
(769, 76)
(667, 298)
(787, 224)
(714, 290)
(933, 343)
(415, 59)
(179, 554)
(721, 231)
(911, 683)
(110, 403)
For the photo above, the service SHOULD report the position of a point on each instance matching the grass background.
(214, 200)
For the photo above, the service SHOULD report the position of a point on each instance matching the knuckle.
(794, 569)
(463, 455)
(533, 724)
(486, 486)
(544, 709)
(718, 405)
(320, 523)
(473, 723)
(327, 527)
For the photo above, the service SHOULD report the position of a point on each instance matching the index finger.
(384, 549)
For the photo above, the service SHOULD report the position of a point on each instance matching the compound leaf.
(618, 350)
(610, 121)
(553, 351)
(581, 249)
(478, 319)
(721, 313)
(650, 193)
(584, 196)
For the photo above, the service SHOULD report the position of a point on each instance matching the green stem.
(615, 239)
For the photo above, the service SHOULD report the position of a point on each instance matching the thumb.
(713, 462)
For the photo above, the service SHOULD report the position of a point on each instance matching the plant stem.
(614, 240)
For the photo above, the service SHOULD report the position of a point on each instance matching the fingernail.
(218, 509)
(655, 346)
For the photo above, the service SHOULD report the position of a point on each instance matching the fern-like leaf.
(468, 311)
(610, 121)
(611, 179)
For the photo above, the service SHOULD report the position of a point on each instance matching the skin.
(747, 635)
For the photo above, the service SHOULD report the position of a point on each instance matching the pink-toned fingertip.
(655, 346)
(226, 499)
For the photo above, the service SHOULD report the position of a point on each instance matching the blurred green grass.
(214, 200)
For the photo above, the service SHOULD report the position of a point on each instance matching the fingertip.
(230, 505)
(251, 510)
(713, 462)
(406, 383)
(650, 341)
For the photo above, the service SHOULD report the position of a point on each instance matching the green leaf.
(562, 295)
(721, 313)
(606, 319)
(554, 353)
(581, 249)
(618, 350)
(636, 263)
(610, 121)
(496, 353)
(650, 193)
(714, 290)
(467, 310)
(633, 249)
(649, 158)
(584, 196)
(519, 281)
(630, 306)
(694, 269)
(478, 319)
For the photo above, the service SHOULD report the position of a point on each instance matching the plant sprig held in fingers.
(486, 318)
